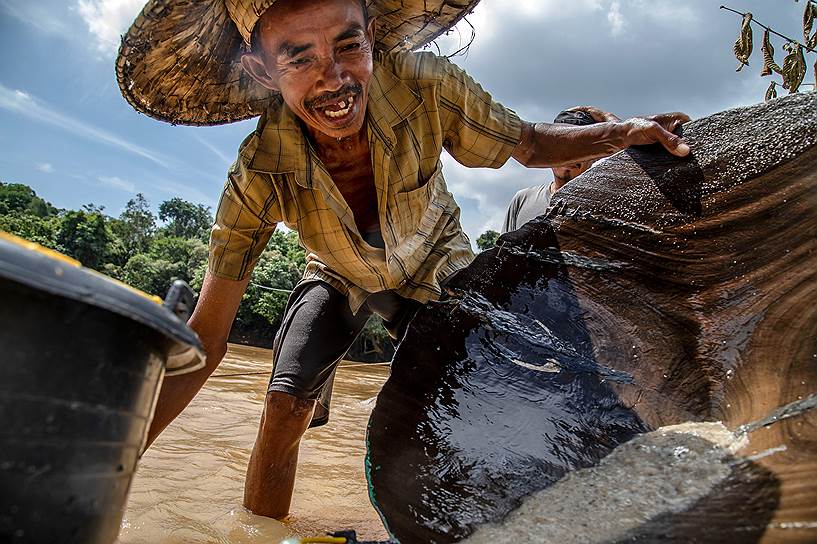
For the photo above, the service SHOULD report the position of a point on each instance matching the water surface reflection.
(189, 485)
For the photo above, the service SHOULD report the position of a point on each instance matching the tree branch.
(773, 31)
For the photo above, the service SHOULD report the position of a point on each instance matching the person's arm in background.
(212, 320)
(544, 145)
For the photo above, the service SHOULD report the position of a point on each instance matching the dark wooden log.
(656, 291)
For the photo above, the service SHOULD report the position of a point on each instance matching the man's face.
(567, 173)
(318, 54)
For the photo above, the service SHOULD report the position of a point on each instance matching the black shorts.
(317, 330)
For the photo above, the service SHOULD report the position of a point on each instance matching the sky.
(66, 131)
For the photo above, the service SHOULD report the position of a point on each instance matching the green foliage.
(487, 239)
(151, 275)
(185, 219)
(42, 230)
(288, 245)
(85, 237)
(280, 266)
(167, 258)
(375, 337)
(132, 249)
(273, 270)
(16, 198)
(135, 227)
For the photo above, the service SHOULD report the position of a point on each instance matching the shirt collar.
(284, 148)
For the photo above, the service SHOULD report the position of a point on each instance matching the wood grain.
(655, 291)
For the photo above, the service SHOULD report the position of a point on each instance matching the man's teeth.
(344, 108)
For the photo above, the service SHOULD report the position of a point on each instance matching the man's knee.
(286, 414)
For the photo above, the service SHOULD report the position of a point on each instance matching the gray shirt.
(525, 205)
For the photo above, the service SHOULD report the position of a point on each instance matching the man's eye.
(299, 62)
(349, 47)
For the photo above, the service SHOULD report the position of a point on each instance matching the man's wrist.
(618, 136)
(525, 148)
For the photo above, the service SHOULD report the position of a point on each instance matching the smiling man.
(347, 153)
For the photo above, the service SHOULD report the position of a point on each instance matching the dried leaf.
(743, 45)
(794, 67)
(769, 65)
(811, 42)
(809, 16)
(771, 92)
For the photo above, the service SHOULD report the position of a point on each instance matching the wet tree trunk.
(655, 291)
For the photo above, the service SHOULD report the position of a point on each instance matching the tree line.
(149, 251)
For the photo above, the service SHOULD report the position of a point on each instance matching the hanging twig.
(802, 84)
(464, 49)
(773, 31)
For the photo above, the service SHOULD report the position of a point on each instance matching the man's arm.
(544, 145)
(212, 320)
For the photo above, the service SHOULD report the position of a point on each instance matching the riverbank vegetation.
(149, 251)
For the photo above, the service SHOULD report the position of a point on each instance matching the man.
(532, 202)
(347, 154)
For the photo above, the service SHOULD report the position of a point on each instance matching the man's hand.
(657, 129)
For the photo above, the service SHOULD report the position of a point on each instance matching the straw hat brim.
(180, 60)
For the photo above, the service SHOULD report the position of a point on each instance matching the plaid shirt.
(419, 103)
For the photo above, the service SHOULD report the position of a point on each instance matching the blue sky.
(66, 131)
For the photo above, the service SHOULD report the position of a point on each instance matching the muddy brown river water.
(189, 485)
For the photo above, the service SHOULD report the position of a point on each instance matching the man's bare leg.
(274, 459)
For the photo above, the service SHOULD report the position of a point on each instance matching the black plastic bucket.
(81, 361)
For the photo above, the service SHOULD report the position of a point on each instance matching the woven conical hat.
(180, 60)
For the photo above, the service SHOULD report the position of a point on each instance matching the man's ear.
(254, 65)
(370, 29)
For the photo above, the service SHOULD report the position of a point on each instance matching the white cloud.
(46, 167)
(107, 20)
(24, 104)
(491, 19)
(188, 192)
(490, 189)
(616, 19)
(666, 11)
(118, 183)
(210, 147)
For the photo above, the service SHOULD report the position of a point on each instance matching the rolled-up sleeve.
(247, 215)
(477, 131)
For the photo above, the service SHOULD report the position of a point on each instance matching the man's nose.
(332, 75)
